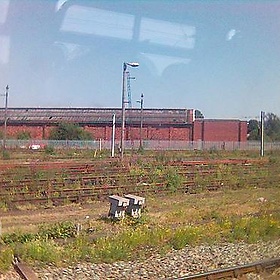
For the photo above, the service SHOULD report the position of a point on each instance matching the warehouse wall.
(204, 130)
(220, 130)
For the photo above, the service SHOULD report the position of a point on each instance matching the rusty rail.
(24, 270)
(237, 271)
(80, 181)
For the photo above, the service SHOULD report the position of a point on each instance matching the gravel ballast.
(188, 261)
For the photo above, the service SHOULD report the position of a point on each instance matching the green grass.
(6, 258)
(44, 251)
(171, 221)
(134, 240)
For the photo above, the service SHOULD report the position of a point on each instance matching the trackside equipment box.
(118, 206)
(135, 205)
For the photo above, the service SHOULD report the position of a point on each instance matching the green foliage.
(49, 150)
(137, 239)
(141, 150)
(69, 131)
(24, 135)
(6, 258)
(129, 244)
(253, 130)
(185, 236)
(173, 180)
(252, 229)
(80, 249)
(198, 114)
(17, 237)
(110, 250)
(39, 250)
(253, 125)
(58, 230)
(3, 205)
(161, 157)
(254, 135)
(5, 155)
(271, 128)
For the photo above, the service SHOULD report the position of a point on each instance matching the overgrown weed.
(6, 258)
(140, 239)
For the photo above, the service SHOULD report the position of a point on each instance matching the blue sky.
(221, 57)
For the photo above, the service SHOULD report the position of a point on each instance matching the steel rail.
(111, 171)
(61, 191)
(79, 195)
(237, 271)
(24, 271)
(80, 181)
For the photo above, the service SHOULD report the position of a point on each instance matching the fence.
(134, 145)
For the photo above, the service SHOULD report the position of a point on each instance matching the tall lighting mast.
(5, 118)
(125, 65)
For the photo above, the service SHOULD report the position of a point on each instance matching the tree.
(253, 130)
(24, 135)
(198, 114)
(69, 131)
(271, 128)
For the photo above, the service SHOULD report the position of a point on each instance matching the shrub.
(17, 237)
(5, 154)
(49, 150)
(58, 230)
(173, 180)
(24, 135)
(39, 250)
(110, 250)
(78, 250)
(185, 236)
(69, 131)
(6, 258)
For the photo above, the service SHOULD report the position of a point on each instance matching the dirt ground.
(165, 209)
(28, 220)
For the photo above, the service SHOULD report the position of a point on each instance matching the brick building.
(158, 124)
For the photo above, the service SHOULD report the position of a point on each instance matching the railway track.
(75, 181)
(24, 271)
(237, 271)
(267, 266)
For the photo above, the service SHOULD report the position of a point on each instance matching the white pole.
(113, 136)
(5, 120)
(123, 110)
(262, 133)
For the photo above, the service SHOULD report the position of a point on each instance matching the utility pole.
(262, 134)
(125, 65)
(123, 110)
(141, 101)
(113, 135)
(5, 119)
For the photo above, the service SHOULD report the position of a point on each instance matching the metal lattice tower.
(129, 98)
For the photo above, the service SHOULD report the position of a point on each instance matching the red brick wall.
(243, 131)
(148, 133)
(220, 130)
(36, 132)
(99, 132)
(205, 130)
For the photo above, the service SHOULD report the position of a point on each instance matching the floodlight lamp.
(133, 64)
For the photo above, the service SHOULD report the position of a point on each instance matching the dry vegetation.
(170, 220)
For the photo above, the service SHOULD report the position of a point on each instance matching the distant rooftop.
(93, 115)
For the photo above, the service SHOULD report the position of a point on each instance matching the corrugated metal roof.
(93, 115)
